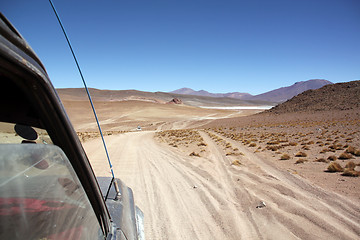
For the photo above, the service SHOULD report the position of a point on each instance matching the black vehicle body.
(27, 97)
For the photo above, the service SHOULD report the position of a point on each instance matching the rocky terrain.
(334, 97)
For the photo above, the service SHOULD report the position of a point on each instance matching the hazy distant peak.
(189, 91)
(323, 81)
(284, 93)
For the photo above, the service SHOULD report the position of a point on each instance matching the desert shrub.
(357, 152)
(336, 147)
(293, 144)
(273, 142)
(273, 148)
(345, 155)
(252, 145)
(350, 173)
(302, 160)
(202, 144)
(332, 158)
(301, 154)
(194, 154)
(285, 157)
(351, 150)
(334, 167)
(306, 147)
(246, 142)
(236, 162)
(321, 160)
(350, 165)
(228, 145)
(324, 150)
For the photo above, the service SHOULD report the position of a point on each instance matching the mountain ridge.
(338, 96)
(277, 95)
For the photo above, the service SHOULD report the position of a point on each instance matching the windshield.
(41, 196)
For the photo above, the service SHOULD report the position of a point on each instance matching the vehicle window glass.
(41, 196)
(15, 133)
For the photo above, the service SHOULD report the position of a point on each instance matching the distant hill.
(189, 91)
(285, 93)
(79, 94)
(277, 95)
(339, 96)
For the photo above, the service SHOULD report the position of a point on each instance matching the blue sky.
(217, 45)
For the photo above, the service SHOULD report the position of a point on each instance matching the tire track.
(223, 204)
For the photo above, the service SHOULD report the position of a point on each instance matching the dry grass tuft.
(334, 167)
(194, 154)
(350, 149)
(234, 153)
(332, 158)
(301, 154)
(353, 151)
(302, 160)
(236, 163)
(321, 160)
(285, 157)
(345, 155)
(357, 152)
(350, 165)
(350, 173)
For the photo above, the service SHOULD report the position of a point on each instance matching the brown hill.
(79, 94)
(277, 95)
(285, 93)
(340, 96)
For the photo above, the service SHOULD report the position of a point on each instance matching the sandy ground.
(127, 115)
(197, 187)
(207, 197)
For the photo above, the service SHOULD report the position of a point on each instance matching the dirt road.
(185, 197)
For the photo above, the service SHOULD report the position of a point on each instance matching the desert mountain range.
(79, 94)
(339, 96)
(197, 98)
(277, 95)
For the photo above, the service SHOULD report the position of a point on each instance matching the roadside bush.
(334, 167)
(350, 149)
(236, 163)
(357, 152)
(345, 155)
(194, 154)
(321, 160)
(350, 165)
(332, 158)
(285, 157)
(301, 154)
(301, 161)
(350, 173)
